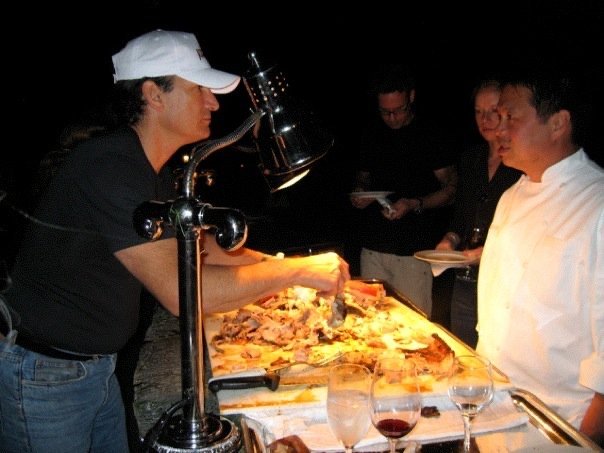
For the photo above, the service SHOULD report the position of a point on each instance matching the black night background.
(57, 68)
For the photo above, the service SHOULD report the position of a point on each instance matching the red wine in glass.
(395, 401)
(394, 428)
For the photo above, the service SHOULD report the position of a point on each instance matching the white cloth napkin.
(311, 426)
(438, 269)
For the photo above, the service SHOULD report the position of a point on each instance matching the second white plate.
(373, 195)
(443, 257)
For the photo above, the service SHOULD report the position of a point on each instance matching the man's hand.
(326, 272)
(593, 422)
(474, 254)
(400, 208)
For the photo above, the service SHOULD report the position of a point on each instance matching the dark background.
(58, 67)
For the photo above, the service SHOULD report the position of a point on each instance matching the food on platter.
(294, 326)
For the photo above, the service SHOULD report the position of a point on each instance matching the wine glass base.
(467, 274)
(450, 446)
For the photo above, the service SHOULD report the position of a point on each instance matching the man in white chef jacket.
(541, 282)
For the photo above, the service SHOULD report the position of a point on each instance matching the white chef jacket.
(541, 286)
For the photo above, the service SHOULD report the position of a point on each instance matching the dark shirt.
(403, 161)
(68, 289)
(477, 197)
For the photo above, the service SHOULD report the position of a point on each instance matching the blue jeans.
(57, 406)
(464, 316)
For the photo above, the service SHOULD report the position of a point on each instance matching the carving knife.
(272, 381)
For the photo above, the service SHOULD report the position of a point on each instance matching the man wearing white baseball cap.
(161, 53)
(79, 274)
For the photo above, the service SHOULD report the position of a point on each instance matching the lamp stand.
(193, 430)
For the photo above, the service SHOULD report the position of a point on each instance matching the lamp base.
(217, 435)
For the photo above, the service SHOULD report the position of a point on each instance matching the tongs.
(338, 311)
(385, 203)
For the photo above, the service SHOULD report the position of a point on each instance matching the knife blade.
(268, 380)
(272, 381)
(310, 379)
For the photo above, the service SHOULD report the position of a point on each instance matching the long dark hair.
(128, 100)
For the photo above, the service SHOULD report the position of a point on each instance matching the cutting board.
(308, 394)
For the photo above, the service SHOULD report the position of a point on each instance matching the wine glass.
(477, 239)
(470, 387)
(395, 400)
(347, 398)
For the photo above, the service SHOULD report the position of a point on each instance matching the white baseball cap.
(165, 53)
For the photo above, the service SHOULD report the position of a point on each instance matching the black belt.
(49, 351)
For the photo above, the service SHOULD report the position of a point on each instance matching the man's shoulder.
(117, 145)
(584, 172)
(119, 138)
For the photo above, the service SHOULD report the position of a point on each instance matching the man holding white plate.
(410, 175)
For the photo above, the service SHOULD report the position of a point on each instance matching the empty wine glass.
(477, 239)
(470, 387)
(395, 400)
(347, 399)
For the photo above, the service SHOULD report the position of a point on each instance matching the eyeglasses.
(397, 111)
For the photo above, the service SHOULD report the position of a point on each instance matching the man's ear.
(560, 123)
(412, 96)
(153, 94)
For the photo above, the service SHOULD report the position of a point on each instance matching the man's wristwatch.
(420, 206)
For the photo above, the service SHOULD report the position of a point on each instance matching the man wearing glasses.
(401, 156)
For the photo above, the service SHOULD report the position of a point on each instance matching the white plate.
(372, 195)
(443, 257)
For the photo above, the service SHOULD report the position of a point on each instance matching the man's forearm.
(214, 254)
(446, 194)
(226, 288)
(440, 198)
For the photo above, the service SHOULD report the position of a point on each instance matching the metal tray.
(549, 423)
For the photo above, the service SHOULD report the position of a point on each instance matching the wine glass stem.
(348, 449)
(392, 444)
(467, 433)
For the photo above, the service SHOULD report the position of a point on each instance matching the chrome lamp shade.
(287, 136)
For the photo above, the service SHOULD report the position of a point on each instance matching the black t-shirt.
(477, 197)
(401, 160)
(69, 289)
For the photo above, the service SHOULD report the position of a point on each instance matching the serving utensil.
(338, 311)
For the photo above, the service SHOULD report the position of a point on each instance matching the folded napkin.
(311, 426)
(438, 269)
